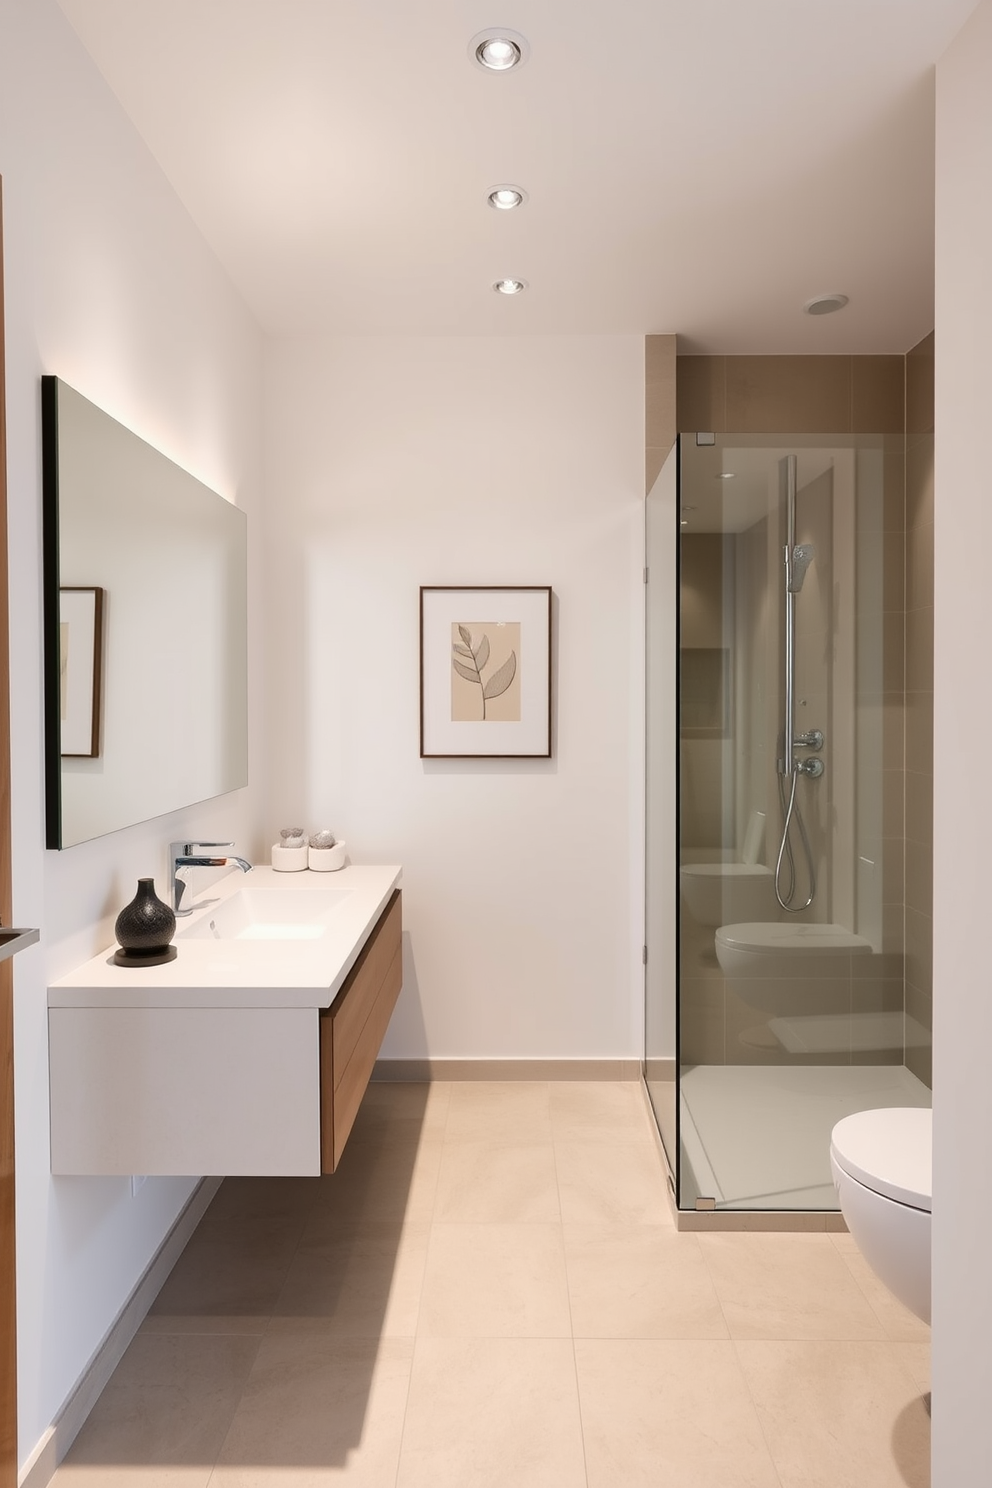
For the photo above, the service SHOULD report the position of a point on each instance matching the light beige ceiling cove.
(704, 167)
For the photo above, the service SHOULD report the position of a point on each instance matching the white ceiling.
(702, 167)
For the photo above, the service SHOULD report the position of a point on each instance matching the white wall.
(962, 1035)
(109, 286)
(392, 463)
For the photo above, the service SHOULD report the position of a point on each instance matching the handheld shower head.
(802, 556)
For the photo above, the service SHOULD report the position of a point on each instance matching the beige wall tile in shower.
(786, 394)
(919, 733)
(919, 482)
(919, 949)
(893, 652)
(919, 1062)
(701, 402)
(894, 484)
(919, 566)
(919, 808)
(893, 927)
(919, 387)
(919, 878)
(893, 802)
(877, 394)
(893, 729)
(894, 571)
(919, 650)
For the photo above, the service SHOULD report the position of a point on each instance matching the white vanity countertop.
(243, 973)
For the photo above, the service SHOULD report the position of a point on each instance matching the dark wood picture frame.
(485, 646)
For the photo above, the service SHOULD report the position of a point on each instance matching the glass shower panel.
(790, 1004)
(660, 1000)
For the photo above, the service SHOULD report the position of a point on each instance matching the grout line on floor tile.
(757, 1414)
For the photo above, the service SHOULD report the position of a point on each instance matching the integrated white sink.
(269, 914)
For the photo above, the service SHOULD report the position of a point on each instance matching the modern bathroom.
(584, 1225)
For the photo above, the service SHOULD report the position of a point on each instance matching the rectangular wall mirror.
(145, 596)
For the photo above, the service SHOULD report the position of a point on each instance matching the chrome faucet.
(184, 856)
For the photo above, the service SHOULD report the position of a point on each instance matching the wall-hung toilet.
(792, 968)
(881, 1164)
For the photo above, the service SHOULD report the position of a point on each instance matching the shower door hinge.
(644, 955)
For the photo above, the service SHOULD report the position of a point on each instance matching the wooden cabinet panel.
(352, 1030)
(353, 1004)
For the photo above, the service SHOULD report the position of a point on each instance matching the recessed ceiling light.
(498, 50)
(825, 304)
(510, 286)
(505, 198)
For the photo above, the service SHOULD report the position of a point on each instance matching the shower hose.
(786, 858)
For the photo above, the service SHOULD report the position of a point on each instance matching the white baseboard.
(39, 1469)
(416, 1070)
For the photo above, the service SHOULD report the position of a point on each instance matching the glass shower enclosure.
(775, 987)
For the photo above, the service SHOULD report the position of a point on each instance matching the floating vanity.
(247, 1054)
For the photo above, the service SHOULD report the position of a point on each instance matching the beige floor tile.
(839, 1415)
(509, 1111)
(390, 1179)
(639, 1281)
(162, 1419)
(897, 1321)
(787, 1286)
(611, 1184)
(665, 1414)
(497, 1183)
(916, 1358)
(228, 1278)
(263, 1198)
(403, 1107)
(493, 1413)
(360, 1283)
(496, 1281)
(599, 1111)
(318, 1411)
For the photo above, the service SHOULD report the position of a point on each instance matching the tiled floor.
(490, 1293)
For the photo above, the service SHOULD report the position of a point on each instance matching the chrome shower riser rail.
(797, 558)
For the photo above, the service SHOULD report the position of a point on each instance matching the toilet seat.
(772, 938)
(888, 1151)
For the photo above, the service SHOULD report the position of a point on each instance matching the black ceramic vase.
(144, 929)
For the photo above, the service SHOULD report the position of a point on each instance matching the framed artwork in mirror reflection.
(485, 672)
(80, 670)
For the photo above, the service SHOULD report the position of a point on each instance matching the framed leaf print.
(485, 673)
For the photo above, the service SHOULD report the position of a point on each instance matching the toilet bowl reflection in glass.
(790, 969)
